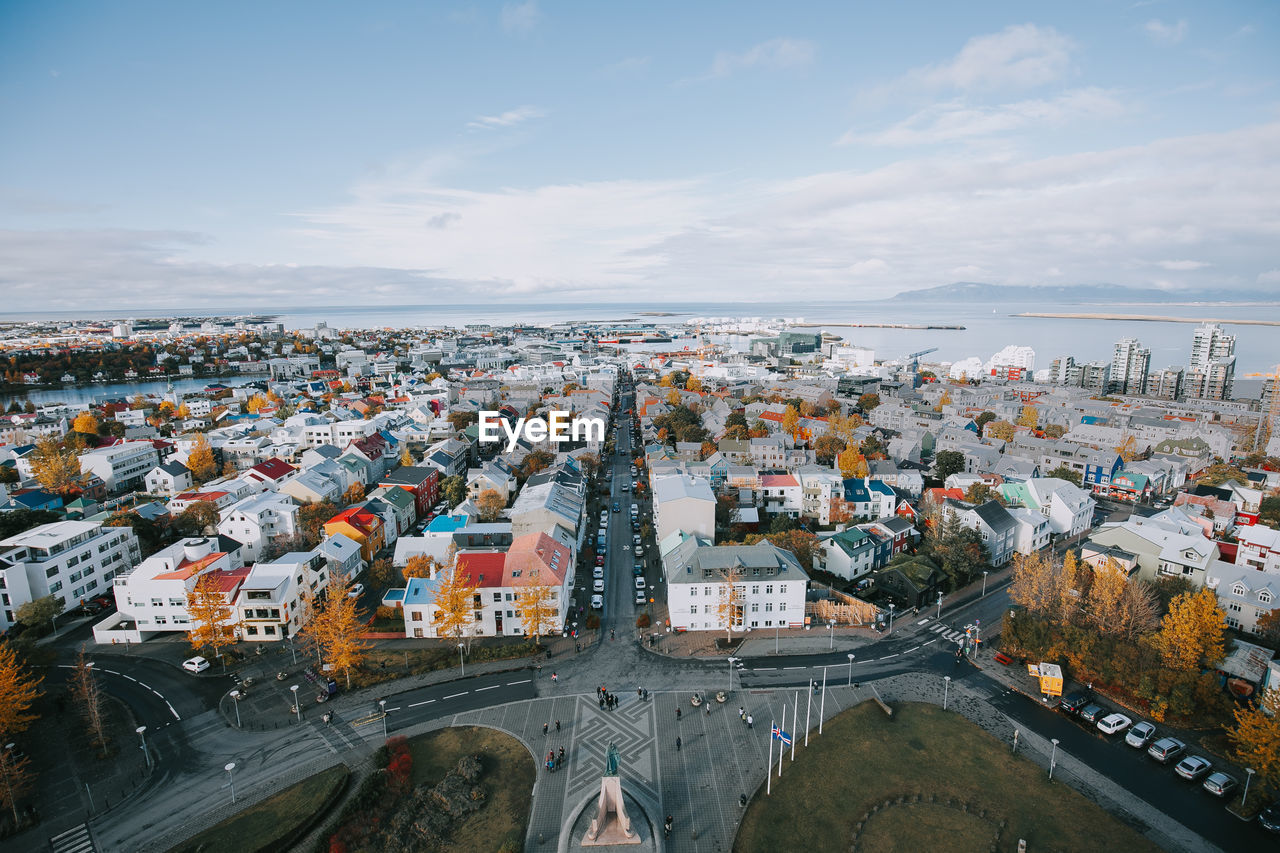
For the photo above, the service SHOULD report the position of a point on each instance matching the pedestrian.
(544, 728)
(639, 692)
(707, 705)
(601, 703)
(561, 756)
(742, 713)
(555, 679)
(677, 744)
(557, 725)
(750, 722)
(677, 713)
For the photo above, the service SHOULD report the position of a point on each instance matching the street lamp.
(984, 583)
(776, 629)
(891, 607)
(231, 778)
(850, 684)
(235, 694)
(939, 605)
(297, 712)
(831, 623)
(142, 735)
(732, 661)
(1249, 771)
(1053, 758)
(461, 660)
(382, 705)
(946, 688)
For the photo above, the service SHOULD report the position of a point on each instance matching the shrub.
(642, 621)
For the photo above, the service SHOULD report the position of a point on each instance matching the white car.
(597, 585)
(639, 551)
(640, 599)
(195, 664)
(640, 582)
(1114, 723)
(356, 590)
(597, 602)
(598, 572)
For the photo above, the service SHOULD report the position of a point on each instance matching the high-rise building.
(1165, 384)
(1129, 366)
(1060, 369)
(1211, 375)
(1211, 344)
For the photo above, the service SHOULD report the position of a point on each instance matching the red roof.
(189, 568)
(777, 480)
(274, 468)
(358, 517)
(482, 568)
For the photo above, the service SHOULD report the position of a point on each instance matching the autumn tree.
(1065, 472)
(18, 692)
(1034, 585)
(693, 384)
(453, 490)
(255, 403)
(801, 543)
(87, 697)
(673, 397)
(16, 779)
(852, 463)
(946, 463)
(1074, 579)
(667, 381)
(1002, 430)
(421, 566)
(406, 458)
(537, 602)
(85, 423)
(335, 628)
(1030, 417)
(843, 427)
(1192, 633)
(200, 459)
(382, 573)
(1255, 743)
(1268, 626)
(956, 549)
(354, 494)
(198, 519)
(790, 420)
(826, 448)
(1128, 449)
(1121, 606)
(213, 622)
(56, 468)
(980, 493)
(311, 520)
(490, 503)
(869, 401)
(729, 599)
(453, 603)
(536, 461)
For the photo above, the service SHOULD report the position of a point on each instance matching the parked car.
(1166, 749)
(597, 572)
(635, 539)
(1193, 767)
(195, 664)
(1073, 702)
(639, 551)
(1219, 784)
(1140, 735)
(357, 589)
(597, 585)
(637, 569)
(640, 599)
(1092, 713)
(1269, 818)
(1114, 723)
(639, 583)
(597, 602)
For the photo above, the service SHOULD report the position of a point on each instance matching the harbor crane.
(913, 360)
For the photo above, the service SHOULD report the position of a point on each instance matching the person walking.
(677, 744)
(544, 728)
(742, 713)
(554, 678)
(750, 722)
(677, 713)
(557, 725)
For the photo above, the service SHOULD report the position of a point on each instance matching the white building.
(769, 590)
(1012, 356)
(155, 594)
(255, 521)
(74, 560)
(684, 503)
(169, 478)
(1259, 548)
(1032, 531)
(1246, 595)
(121, 466)
(273, 602)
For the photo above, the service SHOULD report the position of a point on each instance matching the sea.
(987, 328)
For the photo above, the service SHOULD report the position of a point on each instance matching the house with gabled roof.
(360, 525)
(168, 478)
(1245, 594)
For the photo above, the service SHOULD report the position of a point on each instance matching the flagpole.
(822, 710)
(795, 716)
(808, 706)
(768, 768)
(782, 746)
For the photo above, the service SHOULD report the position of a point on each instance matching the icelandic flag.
(785, 737)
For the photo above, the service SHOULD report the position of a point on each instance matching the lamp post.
(939, 605)
(297, 711)
(462, 660)
(946, 689)
(382, 705)
(831, 623)
(142, 735)
(850, 683)
(1248, 777)
(891, 607)
(1053, 758)
(732, 661)
(776, 629)
(235, 694)
(984, 583)
(231, 778)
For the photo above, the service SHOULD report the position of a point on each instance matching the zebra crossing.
(948, 633)
(74, 840)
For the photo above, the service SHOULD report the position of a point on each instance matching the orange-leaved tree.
(200, 460)
(1193, 631)
(537, 602)
(213, 622)
(335, 628)
(18, 692)
(453, 603)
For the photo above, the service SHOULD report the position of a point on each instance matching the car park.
(357, 589)
(1073, 702)
(1219, 784)
(1113, 724)
(1092, 712)
(597, 602)
(597, 585)
(1166, 749)
(1193, 767)
(195, 664)
(597, 572)
(1140, 735)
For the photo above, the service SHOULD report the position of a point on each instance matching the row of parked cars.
(1142, 735)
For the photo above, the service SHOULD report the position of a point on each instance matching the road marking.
(112, 671)
(931, 642)
(456, 695)
(923, 621)
(416, 704)
(886, 657)
(490, 687)
(131, 678)
(763, 668)
(795, 667)
(397, 708)
(910, 650)
(172, 711)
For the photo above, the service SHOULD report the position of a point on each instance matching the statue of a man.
(611, 759)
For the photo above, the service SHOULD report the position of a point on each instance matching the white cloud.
(1182, 266)
(773, 54)
(520, 17)
(1022, 56)
(1164, 33)
(507, 119)
(871, 265)
(1269, 277)
(957, 121)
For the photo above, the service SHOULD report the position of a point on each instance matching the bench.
(1001, 657)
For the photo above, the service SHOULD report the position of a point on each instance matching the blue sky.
(189, 155)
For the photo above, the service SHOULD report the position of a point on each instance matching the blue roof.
(447, 523)
(420, 591)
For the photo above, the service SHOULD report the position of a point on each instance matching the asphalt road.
(438, 700)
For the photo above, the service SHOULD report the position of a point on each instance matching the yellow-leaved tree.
(420, 566)
(693, 384)
(1002, 430)
(1255, 743)
(88, 700)
(354, 494)
(56, 468)
(1193, 631)
(1030, 417)
(256, 403)
(85, 423)
(790, 420)
(19, 690)
(453, 603)
(852, 463)
(213, 622)
(673, 397)
(335, 628)
(537, 602)
(729, 598)
(491, 504)
(200, 460)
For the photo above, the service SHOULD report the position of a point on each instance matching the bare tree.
(88, 700)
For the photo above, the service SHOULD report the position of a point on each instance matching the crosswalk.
(74, 840)
(947, 633)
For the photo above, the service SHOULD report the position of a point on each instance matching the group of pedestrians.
(608, 701)
(554, 758)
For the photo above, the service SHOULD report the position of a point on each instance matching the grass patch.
(866, 759)
(272, 823)
(508, 783)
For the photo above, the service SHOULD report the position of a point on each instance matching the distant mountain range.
(974, 291)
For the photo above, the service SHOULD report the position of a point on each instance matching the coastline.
(1145, 318)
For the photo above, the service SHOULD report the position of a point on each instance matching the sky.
(192, 155)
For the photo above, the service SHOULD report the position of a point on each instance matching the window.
(157, 602)
(706, 590)
(1264, 597)
(755, 607)
(768, 607)
(782, 588)
(417, 632)
(782, 605)
(693, 592)
(1237, 589)
(755, 589)
(1233, 607)
(693, 608)
(768, 590)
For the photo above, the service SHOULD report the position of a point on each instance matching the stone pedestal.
(611, 825)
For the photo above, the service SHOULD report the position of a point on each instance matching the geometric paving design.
(631, 727)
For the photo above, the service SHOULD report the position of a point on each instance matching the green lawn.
(262, 826)
(958, 783)
(508, 783)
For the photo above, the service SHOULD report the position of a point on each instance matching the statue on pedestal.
(611, 825)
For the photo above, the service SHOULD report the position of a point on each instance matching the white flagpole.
(822, 710)
(808, 706)
(768, 768)
(782, 746)
(795, 717)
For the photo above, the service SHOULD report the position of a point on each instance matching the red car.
(600, 560)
